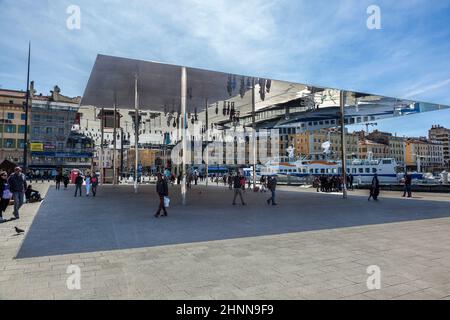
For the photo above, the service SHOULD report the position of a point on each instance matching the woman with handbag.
(5, 194)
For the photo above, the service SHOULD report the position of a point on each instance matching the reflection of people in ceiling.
(242, 88)
(262, 88)
(268, 85)
(230, 85)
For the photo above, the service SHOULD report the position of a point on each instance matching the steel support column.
(343, 145)
(136, 133)
(183, 133)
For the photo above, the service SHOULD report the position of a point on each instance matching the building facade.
(396, 145)
(12, 125)
(310, 144)
(441, 134)
(372, 149)
(424, 155)
(54, 145)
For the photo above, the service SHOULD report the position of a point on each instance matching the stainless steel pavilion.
(121, 83)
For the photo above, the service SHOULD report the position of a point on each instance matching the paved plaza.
(310, 246)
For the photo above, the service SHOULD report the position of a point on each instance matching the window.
(36, 130)
(10, 143)
(49, 130)
(21, 129)
(10, 115)
(36, 117)
(361, 170)
(10, 128)
(21, 143)
(61, 131)
(367, 170)
(23, 116)
(374, 170)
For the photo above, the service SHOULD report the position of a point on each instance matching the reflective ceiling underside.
(278, 103)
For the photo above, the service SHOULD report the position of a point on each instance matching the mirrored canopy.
(277, 103)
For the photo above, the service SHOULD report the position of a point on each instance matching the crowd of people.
(14, 187)
(333, 183)
(90, 183)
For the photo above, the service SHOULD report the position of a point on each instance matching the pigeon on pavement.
(19, 230)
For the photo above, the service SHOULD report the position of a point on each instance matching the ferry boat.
(363, 171)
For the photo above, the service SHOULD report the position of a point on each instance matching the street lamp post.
(25, 138)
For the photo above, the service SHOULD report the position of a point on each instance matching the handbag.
(166, 202)
(6, 194)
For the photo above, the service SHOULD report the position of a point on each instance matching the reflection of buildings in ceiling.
(79, 141)
(277, 103)
(324, 113)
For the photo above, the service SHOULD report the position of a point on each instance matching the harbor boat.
(363, 171)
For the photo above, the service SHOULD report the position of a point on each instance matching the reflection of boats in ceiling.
(353, 114)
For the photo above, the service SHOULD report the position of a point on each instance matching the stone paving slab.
(324, 260)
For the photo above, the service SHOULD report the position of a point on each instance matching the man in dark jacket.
(58, 180)
(17, 185)
(272, 186)
(78, 184)
(407, 188)
(163, 191)
(237, 188)
(374, 188)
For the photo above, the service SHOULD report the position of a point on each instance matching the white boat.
(363, 171)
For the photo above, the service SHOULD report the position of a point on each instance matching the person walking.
(163, 191)
(58, 179)
(374, 188)
(237, 184)
(407, 187)
(65, 181)
(94, 182)
(17, 184)
(87, 178)
(272, 186)
(262, 181)
(350, 182)
(230, 181)
(78, 184)
(5, 194)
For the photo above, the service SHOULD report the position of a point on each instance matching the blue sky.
(318, 42)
